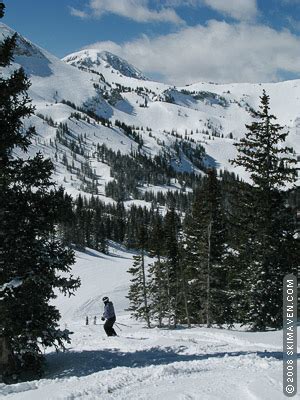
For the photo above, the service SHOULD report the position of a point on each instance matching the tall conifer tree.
(31, 257)
(138, 291)
(268, 247)
(157, 270)
(205, 249)
(172, 259)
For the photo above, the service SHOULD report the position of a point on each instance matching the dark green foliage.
(158, 291)
(194, 153)
(159, 285)
(157, 270)
(172, 228)
(130, 132)
(90, 113)
(205, 238)
(138, 291)
(270, 165)
(131, 172)
(32, 257)
(2, 8)
(5, 50)
(12, 110)
(266, 248)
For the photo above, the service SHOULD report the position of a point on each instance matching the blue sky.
(173, 40)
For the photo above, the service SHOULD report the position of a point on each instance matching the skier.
(110, 316)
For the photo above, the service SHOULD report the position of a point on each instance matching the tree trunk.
(160, 295)
(208, 277)
(6, 358)
(184, 287)
(169, 295)
(145, 291)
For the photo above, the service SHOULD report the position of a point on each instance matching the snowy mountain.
(81, 100)
(98, 61)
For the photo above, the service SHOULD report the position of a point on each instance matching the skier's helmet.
(105, 299)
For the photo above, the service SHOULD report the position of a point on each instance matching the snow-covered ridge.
(97, 60)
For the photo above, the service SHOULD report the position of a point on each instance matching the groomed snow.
(141, 363)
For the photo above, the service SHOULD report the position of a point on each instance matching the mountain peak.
(97, 60)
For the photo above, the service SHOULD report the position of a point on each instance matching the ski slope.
(141, 363)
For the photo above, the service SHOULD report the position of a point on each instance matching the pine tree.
(79, 224)
(205, 249)
(268, 248)
(172, 260)
(138, 291)
(120, 226)
(234, 192)
(31, 256)
(157, 270)
(158, 294)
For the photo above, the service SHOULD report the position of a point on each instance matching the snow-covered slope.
(91, 82)
(194, 364)
(51, 78)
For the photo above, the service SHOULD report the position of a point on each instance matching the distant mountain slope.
(82, 101)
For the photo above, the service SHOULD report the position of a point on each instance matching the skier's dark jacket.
(109, 311)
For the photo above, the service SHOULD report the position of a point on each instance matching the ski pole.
(124, 325)
(118, 327)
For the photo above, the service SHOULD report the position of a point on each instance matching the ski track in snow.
(185, 364)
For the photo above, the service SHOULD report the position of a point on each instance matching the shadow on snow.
(67, 364)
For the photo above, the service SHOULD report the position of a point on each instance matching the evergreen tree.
(172, 260)
(79, 224)
(100, 236)
(138, 291)
(120, 226)
(268, 248)
(157, 270)
(204, 253)
(31, 256)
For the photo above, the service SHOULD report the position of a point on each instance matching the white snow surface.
(141, 363)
